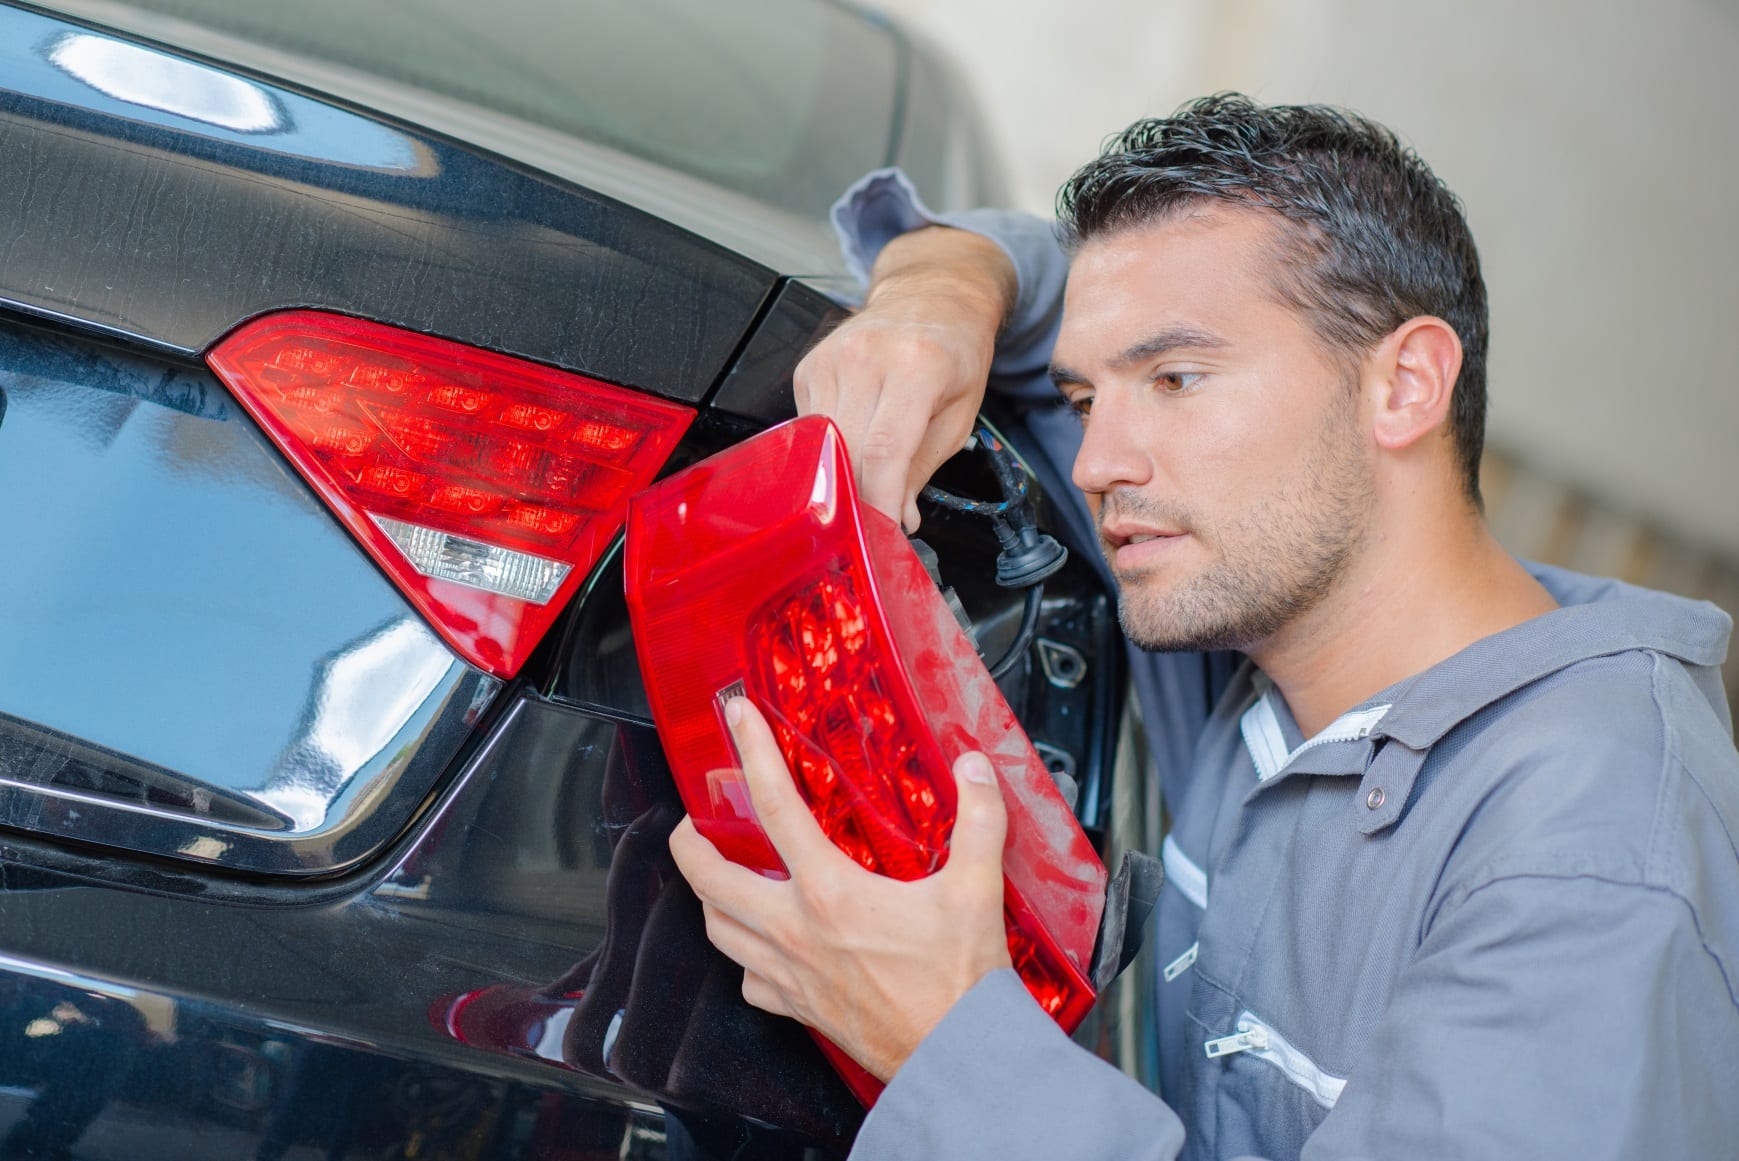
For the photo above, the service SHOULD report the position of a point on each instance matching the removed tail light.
(485, 486)
(758, 572)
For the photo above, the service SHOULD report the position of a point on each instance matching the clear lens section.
(471, 562)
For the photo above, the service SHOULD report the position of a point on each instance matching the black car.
(305, 850)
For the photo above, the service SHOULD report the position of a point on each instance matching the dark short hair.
(1376, 237)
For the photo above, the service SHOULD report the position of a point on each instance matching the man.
(1452, 863)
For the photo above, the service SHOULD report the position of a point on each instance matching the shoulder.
(1602, 761)
(1614, 770)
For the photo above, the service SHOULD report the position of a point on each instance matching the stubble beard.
(1274, 563)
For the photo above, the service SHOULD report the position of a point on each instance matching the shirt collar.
(1597, 618)
(1387, 738)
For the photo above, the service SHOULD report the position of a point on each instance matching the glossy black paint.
(759, 383)
(487, 958)
(786, 101)
(169, 228)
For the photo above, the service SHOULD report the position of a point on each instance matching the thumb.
(980, 819)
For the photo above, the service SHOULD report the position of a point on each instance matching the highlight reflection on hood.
(155, 80)
(106, 74)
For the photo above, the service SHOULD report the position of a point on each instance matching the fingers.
(779, 808)
(980, 822)
(736, 939)
(890, 456)
(903, 381)
(882, 414)
(753, 954)
(812, 387)
(718, 881)
(946, 435)
(763, 995)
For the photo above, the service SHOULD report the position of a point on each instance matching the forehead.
(1208, 268)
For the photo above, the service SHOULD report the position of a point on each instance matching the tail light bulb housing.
(758, 572)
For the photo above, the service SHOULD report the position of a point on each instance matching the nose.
(1113, 450)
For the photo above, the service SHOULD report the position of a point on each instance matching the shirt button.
(1374, 799)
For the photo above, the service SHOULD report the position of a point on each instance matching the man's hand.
(904, 377)
(871, 963)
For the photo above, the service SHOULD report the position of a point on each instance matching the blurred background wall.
(1596, 148)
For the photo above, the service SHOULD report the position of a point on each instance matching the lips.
(1133, 545)
(1117, 534)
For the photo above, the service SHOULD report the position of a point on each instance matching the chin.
(1189, 619)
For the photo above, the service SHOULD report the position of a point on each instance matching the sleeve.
(1549, 1016)
(998, 1079)
(883, 204)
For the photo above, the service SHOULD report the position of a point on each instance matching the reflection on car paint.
(97, 1072)
(83, 69)
(458, 998)
(254, 695)
(652, 1003)
(364, 706)
(338, 210)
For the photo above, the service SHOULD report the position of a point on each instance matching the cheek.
(1228, 452)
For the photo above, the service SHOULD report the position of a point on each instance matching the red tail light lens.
(813, 666)
(758, 572)
(485, 486)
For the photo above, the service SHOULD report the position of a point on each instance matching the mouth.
(1130, 547)
(1116, 536)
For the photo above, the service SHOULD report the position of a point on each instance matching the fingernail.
(734, 712)
(975, 767)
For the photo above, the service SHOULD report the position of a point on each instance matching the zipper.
(1182, 964)
(1266, 744)
(1248, 1038)
(1264, 1043)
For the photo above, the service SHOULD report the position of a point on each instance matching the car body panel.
(774, 235)
(312, 205)
(758, 385)
(525, 910)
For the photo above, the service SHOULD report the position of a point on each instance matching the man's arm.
(998, 1079)
(1550, 1012)
(912, 979)
(954, 301)
(904, 377)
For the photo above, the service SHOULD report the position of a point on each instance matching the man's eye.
(1082, 406)
(1177, 382)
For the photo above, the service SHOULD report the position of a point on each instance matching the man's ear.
(1415, 372)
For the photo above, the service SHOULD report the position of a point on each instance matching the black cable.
(1011, 476)
(1023, 637)
(976, 507)
(1028, 556)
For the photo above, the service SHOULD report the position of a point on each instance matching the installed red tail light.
(484, 485)
(758, 572)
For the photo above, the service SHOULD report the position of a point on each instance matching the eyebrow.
(1163, 342)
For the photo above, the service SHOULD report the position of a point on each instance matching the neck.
(1420, 592)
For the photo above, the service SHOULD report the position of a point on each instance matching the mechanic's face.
(1222, 456)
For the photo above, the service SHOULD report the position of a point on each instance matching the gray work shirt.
(1491, 912)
